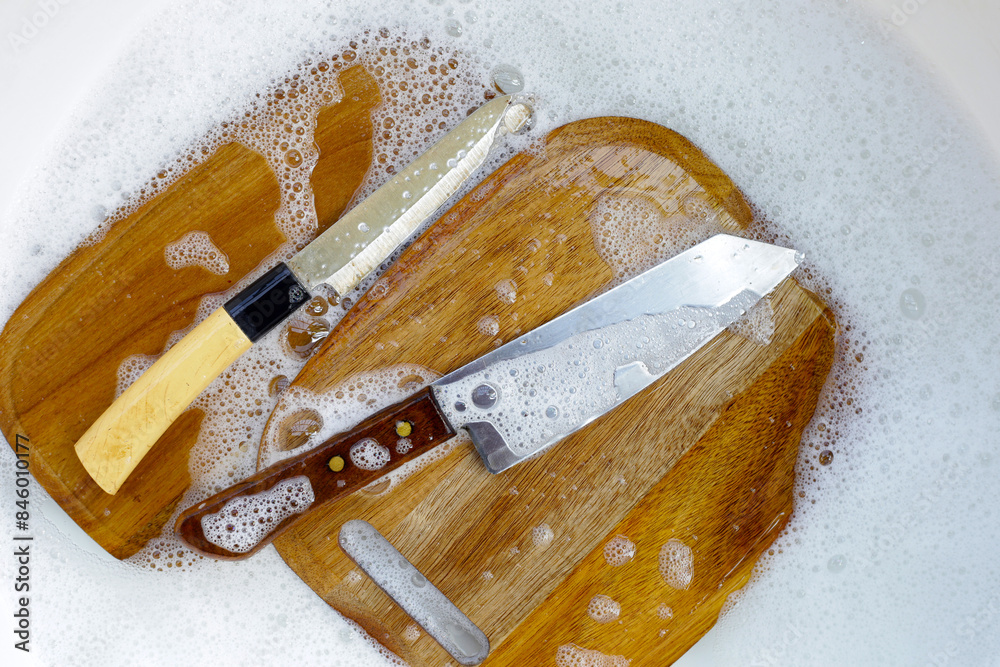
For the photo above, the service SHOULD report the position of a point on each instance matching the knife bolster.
(267, 302)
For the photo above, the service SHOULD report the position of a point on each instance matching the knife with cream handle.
(341, 257)
(517, 400)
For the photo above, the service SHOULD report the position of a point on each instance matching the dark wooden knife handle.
(259, 509)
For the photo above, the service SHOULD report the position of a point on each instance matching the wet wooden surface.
(61, 349)
(705, 457)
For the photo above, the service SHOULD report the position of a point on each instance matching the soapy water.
(196, 249)
(244, 521)
(411, 590)
(619, 550)
(537, 400)
(676, 564)
(837, 139)
(570, 655)
(603, 609)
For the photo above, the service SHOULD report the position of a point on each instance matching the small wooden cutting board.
(703, 461)
(61, 349)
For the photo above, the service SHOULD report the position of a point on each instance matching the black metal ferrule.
(266, 302)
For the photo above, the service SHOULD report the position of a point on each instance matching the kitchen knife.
(340, 257)
(517, 400)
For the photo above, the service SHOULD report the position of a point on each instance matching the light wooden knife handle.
(237, 522)
(114, 444)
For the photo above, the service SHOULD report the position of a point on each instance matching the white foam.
(603, 609)
(676, 564)
(244, 521)
(542, 535)
(196, 249)
(838, 139)
(369, 455)
(570, 655)
(619, 550)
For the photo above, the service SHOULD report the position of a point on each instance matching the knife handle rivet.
(336, 463)
(404, 428)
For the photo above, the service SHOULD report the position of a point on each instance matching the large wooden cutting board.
(706, 457)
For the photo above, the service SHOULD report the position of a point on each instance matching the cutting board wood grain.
(61, 349)
(705, 457)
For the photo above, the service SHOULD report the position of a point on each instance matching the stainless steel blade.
(409, 588)
(345, 253)
(537, 389)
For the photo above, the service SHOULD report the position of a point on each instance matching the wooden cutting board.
(705, 458)
(61, 349)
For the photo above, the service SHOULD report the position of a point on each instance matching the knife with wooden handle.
(340, 257)
(517, 400)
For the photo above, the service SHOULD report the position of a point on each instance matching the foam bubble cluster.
(618, 551)
(676, 564)
(570, 655)
(541, 535)
(635, 233)
(603, 609)
(369, 455)
(196, 249)
(757, 326)
(245, 520)
(506, 291)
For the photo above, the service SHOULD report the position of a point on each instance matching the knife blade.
(517, 400)
(341, 257)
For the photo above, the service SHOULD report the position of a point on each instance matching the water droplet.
(460, 406)
(278, 384)
(485, 396)
(453, 27)
(508, 80)
(317, 306)
(837, 563)
(825, 457)
(912, 304)
(363, 228)
(552, 412)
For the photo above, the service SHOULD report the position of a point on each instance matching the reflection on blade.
(344, 254)
(539, 388)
